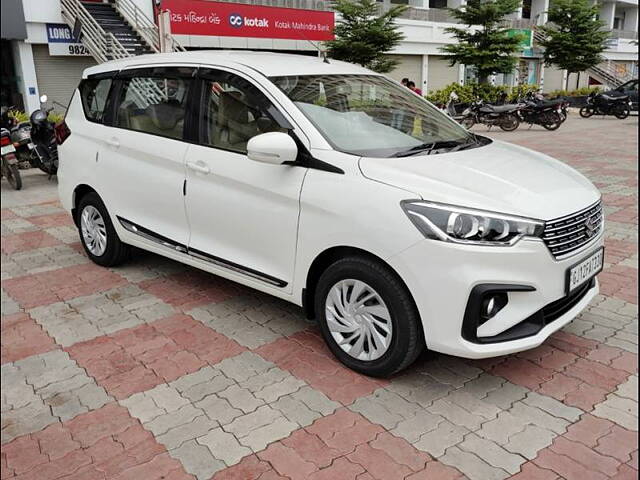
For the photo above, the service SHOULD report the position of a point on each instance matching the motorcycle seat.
(611, 98)
(498, 108)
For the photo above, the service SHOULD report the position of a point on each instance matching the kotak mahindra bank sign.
(200, 17)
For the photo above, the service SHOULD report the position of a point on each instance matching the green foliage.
(574, 38)
(364, 36)
(55, 118)
(488, 47)
(580, 92)
(489, 93)
(19, 115)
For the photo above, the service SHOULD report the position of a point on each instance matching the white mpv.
(335, 188)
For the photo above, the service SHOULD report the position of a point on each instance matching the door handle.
(199, 167)
(113, 142)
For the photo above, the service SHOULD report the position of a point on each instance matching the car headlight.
(466, 225)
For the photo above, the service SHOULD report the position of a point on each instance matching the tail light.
(5, 141)
(62, 132)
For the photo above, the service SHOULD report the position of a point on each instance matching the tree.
(364, 36)
(489, 47)
(574, 38)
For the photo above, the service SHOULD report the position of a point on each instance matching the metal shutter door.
(410, 67)
(440, 73)
(58, 76)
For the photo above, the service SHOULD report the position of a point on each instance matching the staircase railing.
(103, 46)
(611, 75)
(144, 26)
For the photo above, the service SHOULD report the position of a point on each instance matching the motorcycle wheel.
(621, 111)
(467, 123)
(552, 122)
(13, 175)
(44, 162)
(509, 123)
(586, 112)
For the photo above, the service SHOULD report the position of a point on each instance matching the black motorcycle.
(549, 114)
(503, 116)
(44, 137)
(606, 104)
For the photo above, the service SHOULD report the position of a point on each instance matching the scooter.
(44, 138)
(604, 104)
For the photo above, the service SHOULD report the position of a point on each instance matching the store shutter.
(441, 73)
(409, 66)
(58, 76)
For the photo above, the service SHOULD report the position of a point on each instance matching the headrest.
(232, 108)
(164, 115)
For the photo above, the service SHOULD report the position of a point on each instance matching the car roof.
(268, 63)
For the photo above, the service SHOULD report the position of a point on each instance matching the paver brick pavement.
(153, 370)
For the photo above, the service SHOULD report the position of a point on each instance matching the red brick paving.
(103, 444)
(190, 289)
(22, 337)
(22, 242)
(307, 357)
(137, 359)
(63, 284)
(52, 220)
(341, 446)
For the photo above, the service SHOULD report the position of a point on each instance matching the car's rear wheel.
(98, 236)
(367, 317)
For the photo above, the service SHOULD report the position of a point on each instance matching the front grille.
(565, 235)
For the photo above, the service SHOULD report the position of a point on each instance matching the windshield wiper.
(429, 147)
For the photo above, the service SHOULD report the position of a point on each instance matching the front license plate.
(585, 270)
(7, 149)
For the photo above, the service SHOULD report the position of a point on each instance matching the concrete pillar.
(539, 11)
(607, 14)
(26, 72)
(425, 74)
(631, 19)
(461, 74)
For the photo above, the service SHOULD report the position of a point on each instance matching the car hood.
(500, 177)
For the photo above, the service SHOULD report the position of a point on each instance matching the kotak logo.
(236, 21)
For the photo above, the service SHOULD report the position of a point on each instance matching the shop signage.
(200, 17)
(525, 33)
(61, 41)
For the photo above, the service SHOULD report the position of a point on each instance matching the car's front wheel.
(99, 237)
(367, 317)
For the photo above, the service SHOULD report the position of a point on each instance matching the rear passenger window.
(94, 94)
(155, 105)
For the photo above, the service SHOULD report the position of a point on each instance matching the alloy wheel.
(358, 319)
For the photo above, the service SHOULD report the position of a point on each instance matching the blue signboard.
(59, 33)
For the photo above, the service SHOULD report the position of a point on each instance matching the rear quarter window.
(94, 94)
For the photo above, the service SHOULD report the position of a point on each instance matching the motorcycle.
(504, 116)
(549, 114)
(9, 165)
(605, 104)
(44, 137)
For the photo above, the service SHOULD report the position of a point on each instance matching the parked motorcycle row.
(533, 109)
(33, 142)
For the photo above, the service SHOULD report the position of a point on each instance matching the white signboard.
(61, 41)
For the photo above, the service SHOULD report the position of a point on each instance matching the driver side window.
(234, 111)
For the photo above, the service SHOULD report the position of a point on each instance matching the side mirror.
(275, 148)
(43, 99)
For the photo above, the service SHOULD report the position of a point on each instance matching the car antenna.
(321, 53)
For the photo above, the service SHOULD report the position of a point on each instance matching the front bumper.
(441, 277)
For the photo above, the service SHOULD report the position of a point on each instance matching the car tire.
(97, 234)
(402, 319)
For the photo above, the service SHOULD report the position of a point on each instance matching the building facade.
(42, 51)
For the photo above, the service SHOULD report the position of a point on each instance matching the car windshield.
(370, 115)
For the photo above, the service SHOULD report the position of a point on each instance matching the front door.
(142, 164)
(243, 214)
